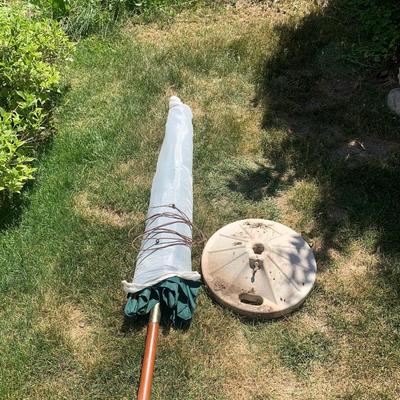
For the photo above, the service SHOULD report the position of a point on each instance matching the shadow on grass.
(133, 324)
(326, 120)
(10, 210)
(12, 205)
(258, 183)
(138, 323)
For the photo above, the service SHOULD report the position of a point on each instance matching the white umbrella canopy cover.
(163, 272)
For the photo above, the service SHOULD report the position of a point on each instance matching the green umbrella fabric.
(177, 298)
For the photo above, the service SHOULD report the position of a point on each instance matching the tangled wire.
(150, 240)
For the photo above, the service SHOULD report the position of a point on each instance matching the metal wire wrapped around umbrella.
(177, 296)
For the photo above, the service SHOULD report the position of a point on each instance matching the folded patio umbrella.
(164, 283)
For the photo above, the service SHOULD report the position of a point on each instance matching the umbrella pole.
(146, 376)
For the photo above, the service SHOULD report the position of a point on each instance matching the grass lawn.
(285, 129)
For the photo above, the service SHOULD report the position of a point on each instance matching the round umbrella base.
(258, 268)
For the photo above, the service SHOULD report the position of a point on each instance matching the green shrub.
(56, 8)
(15, 167)
(379, 26)
(31, 51)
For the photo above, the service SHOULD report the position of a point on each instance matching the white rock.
(393, 100)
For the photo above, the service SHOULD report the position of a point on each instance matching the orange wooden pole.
(146, 376)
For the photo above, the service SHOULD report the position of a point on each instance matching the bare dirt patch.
(367, 149)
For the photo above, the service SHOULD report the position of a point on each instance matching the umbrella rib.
(288, 259)
(284, 274)
(245, 231)
(228, 248)
(288, 247)
(277, 237)
(270, 286)
(233, 259)
(233, 237)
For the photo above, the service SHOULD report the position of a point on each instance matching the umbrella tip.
(174, 101)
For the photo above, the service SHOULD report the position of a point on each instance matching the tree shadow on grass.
(326, 120)
(10, 210)
(257, 183)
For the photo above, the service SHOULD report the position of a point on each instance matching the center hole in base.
(258, 248)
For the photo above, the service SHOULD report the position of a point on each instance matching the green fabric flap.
(177, 298)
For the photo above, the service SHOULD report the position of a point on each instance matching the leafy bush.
(379, 28)
(15, 167)
(57, 8)
(31, 50)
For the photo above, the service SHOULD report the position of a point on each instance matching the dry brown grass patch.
(354, 272)
(61, 385)
(133, 172)
(72, 323)
(288, 215)
(314, 323)
(79, 328)
(244, 368)
(195, 25)
(104, 216)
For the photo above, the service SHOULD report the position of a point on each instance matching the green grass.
(67, 246)
(299, 352)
